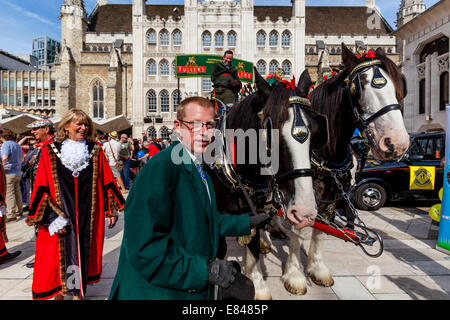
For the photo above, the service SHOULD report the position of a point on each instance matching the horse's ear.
(304, 84)
(263, 87)
(380, 52)
(348, 57)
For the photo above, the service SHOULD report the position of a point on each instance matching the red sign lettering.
(183, 69)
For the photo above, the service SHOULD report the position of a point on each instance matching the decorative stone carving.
(421, 71)
(443, 63)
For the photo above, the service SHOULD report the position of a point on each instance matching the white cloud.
(31, 14)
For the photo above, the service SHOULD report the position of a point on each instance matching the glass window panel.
(151, 101)
(164, 38)
(177, 39)
(260, 39)
(164, 68)
(232, 39)
(206, 39)
(165, 103)
(219, 39)
(273, 39)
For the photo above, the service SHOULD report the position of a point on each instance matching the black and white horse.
(365, 95)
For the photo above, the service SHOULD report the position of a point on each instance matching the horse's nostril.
(389, 144)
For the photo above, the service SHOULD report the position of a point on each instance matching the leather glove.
(221, 273)
(260, 221)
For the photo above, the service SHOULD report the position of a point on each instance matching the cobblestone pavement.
(410, 267)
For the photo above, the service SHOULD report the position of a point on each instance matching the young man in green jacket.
(172, 226)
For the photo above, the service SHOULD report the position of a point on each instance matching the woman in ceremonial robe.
(73, 192)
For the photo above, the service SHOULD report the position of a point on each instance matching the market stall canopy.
(117, 123)
(18, 124)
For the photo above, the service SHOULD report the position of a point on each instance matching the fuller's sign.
(200, 65)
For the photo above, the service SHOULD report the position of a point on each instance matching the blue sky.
(23, 20)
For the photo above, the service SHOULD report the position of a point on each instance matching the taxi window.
(431, 148)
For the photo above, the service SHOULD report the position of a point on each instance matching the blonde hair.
(75, 115)
(203, 102)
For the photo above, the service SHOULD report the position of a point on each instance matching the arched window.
(273, 39)
(273, 66)
(174, 68)
(151, 101)
(164, 99)
(177, 38)
(151, 133)
(176, 98)
(261, 67)
(164, 38)
(151, 68)
(164, 133)
(164, 68)
(286, 66)
(261, 39)
(333, 50)
(98, 108)
(232, 39)
(151, 37)
(219, 39)
(206, 39)
(422, 96)
(311, 50)
(443, 90)
(439, 45)
(286, 39)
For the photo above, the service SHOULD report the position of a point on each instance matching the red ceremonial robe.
(67, 263)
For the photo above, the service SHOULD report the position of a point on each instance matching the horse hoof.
(263, 294)
(295, 289)
(322, 282)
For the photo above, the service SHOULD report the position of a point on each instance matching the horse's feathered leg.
(253, 270)
(316, 268)
(293, 277)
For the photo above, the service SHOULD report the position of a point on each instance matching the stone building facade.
(426, 66)
(121, 58)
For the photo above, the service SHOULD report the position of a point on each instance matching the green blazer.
(171, 232)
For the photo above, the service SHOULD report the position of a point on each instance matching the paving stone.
(350, 288)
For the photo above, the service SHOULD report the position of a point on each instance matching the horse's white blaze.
(303, 209)
(253, 271)
(389, 129)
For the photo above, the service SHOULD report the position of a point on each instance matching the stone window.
(232, 39)
(286, 39)
(206, 39)
(273, 66)
(98, 108)
(440, 46)
(164, 133)
(206, 85)
(286, 66)
(219, 39)
(273, 39)
(151, 37)
(165, 103)
(443, 90)
(151, 133)
(261, 39)
(176, 98)
(151, 101)
(261, 67)
(164, 68)
(151, 68)
(177, 38)
(174, 68)
(164, 38)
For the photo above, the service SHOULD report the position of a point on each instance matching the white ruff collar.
(75, 154)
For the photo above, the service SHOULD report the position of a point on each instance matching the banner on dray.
(200, 65)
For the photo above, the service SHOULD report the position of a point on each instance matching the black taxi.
(418, 175)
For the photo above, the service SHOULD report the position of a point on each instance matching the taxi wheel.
(370, 196)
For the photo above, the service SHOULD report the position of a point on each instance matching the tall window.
(273, 39)
(98, 109)
(151, 37)
(219, 39)
(177, 38)
(164, 68)
(164, 38)
(261, 39)
(286, 39)
(261, 67)
(151, 101)
(286, 66)
(273, 66)
(206, 85)
(164, 133)
(443, 90)
(176, 98)
(151, 133)
(174, 68)
(232, 39)
(165, 103)
(422, 96)
(151, 68)
(206, 39)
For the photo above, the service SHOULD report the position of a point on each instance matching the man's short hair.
(203, 102)
(228, 52)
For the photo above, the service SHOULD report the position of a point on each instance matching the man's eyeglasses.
(195, 125)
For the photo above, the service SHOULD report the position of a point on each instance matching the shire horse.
(366, 95)
(282, 109)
